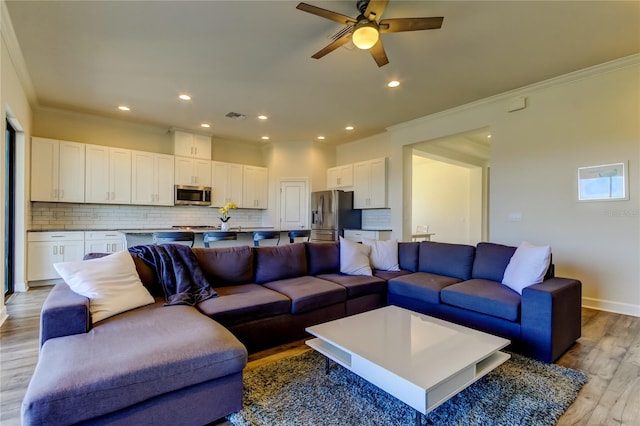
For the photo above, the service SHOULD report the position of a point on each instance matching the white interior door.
(294, 204)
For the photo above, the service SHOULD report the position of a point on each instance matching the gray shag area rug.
(296, 391)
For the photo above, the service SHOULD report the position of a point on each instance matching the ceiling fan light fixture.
(365, 35)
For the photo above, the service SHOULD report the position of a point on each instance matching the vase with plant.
(224, 211)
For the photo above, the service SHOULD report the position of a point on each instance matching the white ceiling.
(254, 57)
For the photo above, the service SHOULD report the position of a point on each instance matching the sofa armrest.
(551, 317)
(64, 313)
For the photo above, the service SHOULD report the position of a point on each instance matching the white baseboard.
(609, 306)
(3, 314)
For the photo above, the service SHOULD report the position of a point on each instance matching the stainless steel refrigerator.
(331, 212)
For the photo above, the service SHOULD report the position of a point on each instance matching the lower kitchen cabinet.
(104, 242)
(46, 248)
(357, 235)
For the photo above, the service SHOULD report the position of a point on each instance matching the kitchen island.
(136, 237)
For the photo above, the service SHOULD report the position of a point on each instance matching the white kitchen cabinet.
(226, 183)
(340, 176)
(190, 171)
(57, 170)
(108, 175)
(46, 248)
(356, 235)
(370, 184)
(192, 145)
(104, 242)
(152, 179)
(255, 187)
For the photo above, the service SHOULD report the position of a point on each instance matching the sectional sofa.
(183, 364)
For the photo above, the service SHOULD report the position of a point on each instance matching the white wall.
(442, 199)
(585, 118)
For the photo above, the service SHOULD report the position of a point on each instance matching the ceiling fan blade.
(324, 13)
(375, 8)
(346, 37)
(397, 25)
(378, 53)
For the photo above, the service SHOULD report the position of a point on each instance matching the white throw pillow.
(354, 258)
(111, 283)
(384, 254)
(527, 266)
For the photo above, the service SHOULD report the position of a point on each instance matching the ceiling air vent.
(235, 115)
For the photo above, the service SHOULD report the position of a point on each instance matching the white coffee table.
(421, 360)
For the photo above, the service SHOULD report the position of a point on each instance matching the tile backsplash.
(377, 219)
(66, 216)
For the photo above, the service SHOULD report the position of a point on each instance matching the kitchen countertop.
(363, 229)
(197, 230)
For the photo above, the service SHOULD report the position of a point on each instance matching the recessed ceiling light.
(320, 138)
(184, 97)
(262, 117)
(488, 136)
(393, 83)
(265, 138)
(349, 128)
(124, 108)
(205, 125)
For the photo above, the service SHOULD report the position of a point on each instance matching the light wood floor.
(609, 351)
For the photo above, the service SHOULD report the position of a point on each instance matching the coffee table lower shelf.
(422, 400)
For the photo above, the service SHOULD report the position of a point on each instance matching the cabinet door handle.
(62, 194)
(62, 250)
(113, 195)
(55, 250)
(107, 195)
(55, 194)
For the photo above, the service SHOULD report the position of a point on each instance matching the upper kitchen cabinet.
(370, 184)
(193, 172)
(152, 179)
(57, 170)
(108, 175)
(340, 177)
(226, 183)
(192, 145)
(255, 187)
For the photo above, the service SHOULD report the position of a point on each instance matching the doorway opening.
(450, 188)
(9, 209)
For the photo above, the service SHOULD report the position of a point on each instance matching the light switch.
(515, 217)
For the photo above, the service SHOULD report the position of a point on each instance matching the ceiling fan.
(365, 30)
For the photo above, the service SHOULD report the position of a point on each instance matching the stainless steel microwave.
(192, 195)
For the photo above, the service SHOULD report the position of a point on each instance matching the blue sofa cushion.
(484, 296)
(389, 275)
(357, 285)
(244, 302)
(226, 265)
(127, 359)
(451, 260)
(309, 293)
(324, 258)
(280, 262)
(408, 256)
(421, 285)
(491, 260)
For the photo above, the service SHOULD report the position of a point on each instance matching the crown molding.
(15, 53)
(571, 77)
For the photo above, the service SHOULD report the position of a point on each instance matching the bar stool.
(209, 237)
(265, 235)
(174, 236)
(299, 233)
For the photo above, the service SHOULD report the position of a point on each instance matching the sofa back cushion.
(408, 256)
(280, 262)
(491, 261)
(223, 266)
(451, 260)
(323, 258)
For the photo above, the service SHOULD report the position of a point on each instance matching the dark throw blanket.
(178, 272)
